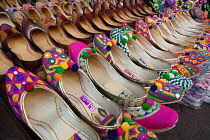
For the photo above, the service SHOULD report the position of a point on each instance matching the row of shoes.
(88, 74)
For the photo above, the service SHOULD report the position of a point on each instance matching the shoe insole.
(177, 35)
(3, 4)
(163, 44)
(140, 10)
(141, 56)
(12, 2)
(41, 39)
(109, 21)
(47, 13)
(5, 19)
(33, 14)
(20, 46)
(46, 114)
(57, 9)
(85, 4)
(168, 36)
(19, 17)
(136, 12)
(186, 28)
(131, 15)
(72, 29)
(84, 102)
(124, 16)
(68, 9)
(182, 31)
(109, 83)
(119, 19)
(145, 8)
(97, 21)
(88, 27)
(4, 63)
(78, 7)
(186, 22)
(144, 58)
(134, 71)
(150, 49)
(192, 21)
(59, 36)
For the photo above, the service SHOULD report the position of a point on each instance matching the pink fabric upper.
(160, 119)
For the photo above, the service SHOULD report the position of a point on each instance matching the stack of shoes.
(90, 70)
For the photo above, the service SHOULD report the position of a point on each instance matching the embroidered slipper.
(16, 16)
(118, 59)
(44, 10)
(123, 93)
(151, 114)
(121, 62)
(151, 33)
(102, 74)
(188, 70)
(83, 96)
(76, 87)
(122, 40)
(22, 50)
(30, 12)
(141, 25)
(149, 48)
(156, 24)
(136, 53)
(129, 30)
(129, 130)
(194, 60)
(36, 104)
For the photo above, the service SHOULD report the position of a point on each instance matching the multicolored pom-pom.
(127, 115)
(57, 77)
(166, 76)
(85, 55)
(108, 48)
(146, 106)
(159, 85)
(114, 41)
(59, 70)
(124, 40)
(163, 80)
(64, 65)
(93, 50)
(150, 102)
(112, 134)
(128, 120)
(75, 68)
(29, 88)
(153, 88)
(120, 131)
(134, 37)
(125, 126)
(109, 43)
